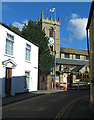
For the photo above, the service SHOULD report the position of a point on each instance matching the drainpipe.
(87, 41)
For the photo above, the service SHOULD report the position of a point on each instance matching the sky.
(74, 17)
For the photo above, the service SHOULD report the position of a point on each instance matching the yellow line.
(67, 106)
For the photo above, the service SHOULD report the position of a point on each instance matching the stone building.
(90, 27)
(75, 63)
(52, 29)
(68, 61)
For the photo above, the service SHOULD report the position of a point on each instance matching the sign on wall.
(51, 40)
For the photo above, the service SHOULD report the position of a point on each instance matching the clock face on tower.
(51, 40)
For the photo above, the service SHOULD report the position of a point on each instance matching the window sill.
(9, 55)
(27, 61)
(67, 58)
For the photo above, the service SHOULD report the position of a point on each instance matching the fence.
(69, 86)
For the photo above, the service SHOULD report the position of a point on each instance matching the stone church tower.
(52, 31)
(49, 26)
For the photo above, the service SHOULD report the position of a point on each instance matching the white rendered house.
(18, 63)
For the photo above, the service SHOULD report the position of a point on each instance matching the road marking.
(67, 113)
(67, 106)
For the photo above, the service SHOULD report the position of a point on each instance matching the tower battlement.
(49, 21)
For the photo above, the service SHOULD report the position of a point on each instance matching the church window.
(51, 48)
(51, 32)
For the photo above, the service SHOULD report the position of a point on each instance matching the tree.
(15, 29)
(33, 32)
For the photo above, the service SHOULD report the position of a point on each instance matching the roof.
(90, 14)
(73, 51)
(71, 62)
(77, 68)
(18, 34)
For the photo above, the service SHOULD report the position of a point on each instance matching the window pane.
(67, 55)
(27, 74)
(10, 36)
(27, 56)
(87, 57)
(9, 47)
(77, 56)
(28, 46)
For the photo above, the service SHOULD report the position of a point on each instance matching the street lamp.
(55, 47)
(55, 55)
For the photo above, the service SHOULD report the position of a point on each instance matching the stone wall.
(91, 28)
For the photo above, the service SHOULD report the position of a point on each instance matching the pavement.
(23, 96)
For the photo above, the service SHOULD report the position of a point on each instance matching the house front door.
(8, 81)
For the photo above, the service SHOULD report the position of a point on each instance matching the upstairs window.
(77, 56)
(51, 32)
(67, 55)
(28, 52)
(9, 44)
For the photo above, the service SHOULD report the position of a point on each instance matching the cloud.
(77, 27)
(19, 25)
(74, 16)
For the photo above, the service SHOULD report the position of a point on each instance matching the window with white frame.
(9, 44)
(28, 52)
(26, 84)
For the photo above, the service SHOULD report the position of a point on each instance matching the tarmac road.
(65, 104)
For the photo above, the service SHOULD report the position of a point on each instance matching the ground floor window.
(27, 74)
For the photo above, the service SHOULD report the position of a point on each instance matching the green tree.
(33, 32)
(15, 29)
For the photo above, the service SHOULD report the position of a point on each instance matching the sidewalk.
(23, 96)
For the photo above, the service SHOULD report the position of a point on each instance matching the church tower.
(51, 28)
(52, 31)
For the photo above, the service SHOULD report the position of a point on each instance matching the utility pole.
(55, 49)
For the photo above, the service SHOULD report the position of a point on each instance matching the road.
(65, 104)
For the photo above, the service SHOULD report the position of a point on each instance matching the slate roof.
(73, 51)
(18, 34)
(77, 68)
(62, 61)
